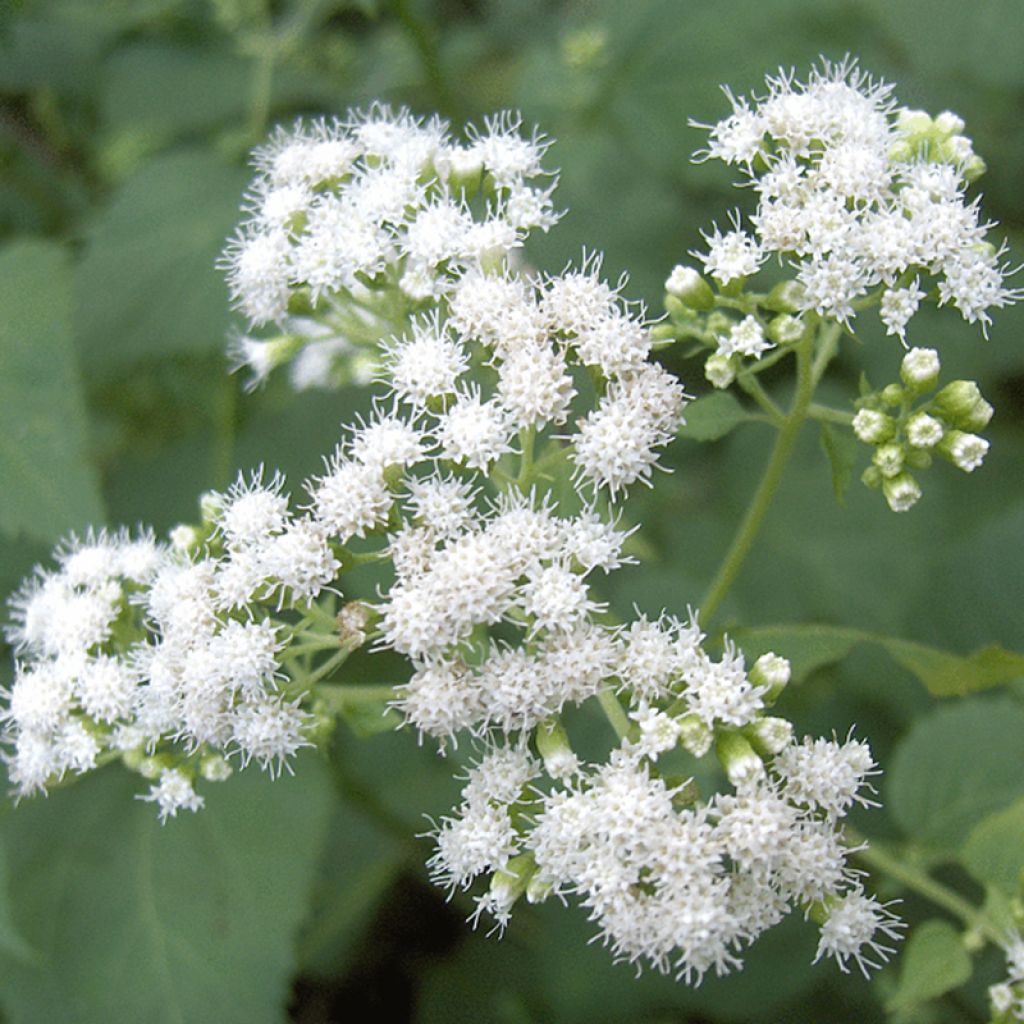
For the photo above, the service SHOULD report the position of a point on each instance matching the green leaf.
(713, 416)
(994, 851)
(147, 285)
(11, 941)
(48, 486)
(933, 962)
(360, 861)
(943, 674)
(842, 451)
(956, 766)
(952, 675)
(190, 921)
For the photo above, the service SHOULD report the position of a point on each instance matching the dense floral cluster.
(354, 224)
(671, 881)
(514, 413)
(858, 195)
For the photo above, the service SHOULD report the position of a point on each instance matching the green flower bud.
(901, 492)
(769, 736)
(923, 431)
(694, 735)
(918, 458)
(965, 451)
(785, 329)
(871, 478)
(893, 394)
(913, 122)
(553, 746)
(739, 759)
(948, 123)
(510, 882)
(687, 285)
(873, 427)
(889, 459)
(920, 369)
(773, 673)
(785, 297)
(215, 768)
(979, 416)
(957, 402)
(720, 370)
(538, 889)
(974, 167)
(185, 538)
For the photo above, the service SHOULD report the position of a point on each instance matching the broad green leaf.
(842, 450)
(360, 861)
(943, 674)
(136, 921)
(147, 285)
(994, 851)
(951, 675)
(46, 484)
(956, 766)
(933, 962)
(713, 416)
(11, 942)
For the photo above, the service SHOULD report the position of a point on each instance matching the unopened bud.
(965, 451)
(873, 427)
(893, 394)
(957, 402)
(913, 122)
(786, 297)
(889, 459)
(739, 759)
(719, 370)
(769, 736)
(687, 285)
(785, 329)
(923, 431)
(553, 746)
(920, 369)
(510, 882)
(695, 735)
(901, 492)
(871, 478)
(215, 768)
(773, 673)
(948, 123)
(185, 538)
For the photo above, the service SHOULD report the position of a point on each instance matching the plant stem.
(825, 414)
(923, 884)
(526, 439)
(338, 696)
(772, 477)
(613, 712)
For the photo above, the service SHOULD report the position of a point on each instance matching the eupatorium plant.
(515, 412)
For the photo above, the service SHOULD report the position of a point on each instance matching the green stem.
(753, 387)
(879, 859)
(339, 696)
(825, 414)
(613, 712)
(327, 667)
(761, 502)
(526, 439)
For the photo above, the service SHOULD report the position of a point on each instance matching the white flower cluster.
(166, 658)
(857, 195)
(1006, 997)
(361, 220)
(673, 882)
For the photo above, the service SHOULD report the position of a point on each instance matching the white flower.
(849, 933)
(745, 339)
(827, 775)
(474, 432)
(173, 793)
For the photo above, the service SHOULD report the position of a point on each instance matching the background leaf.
(994, 851)
(957, 765)
(48, 486)
(713, 416)
(933, 962)
(134, 921)
(147, 284)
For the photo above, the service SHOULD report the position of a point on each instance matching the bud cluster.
(907, 424)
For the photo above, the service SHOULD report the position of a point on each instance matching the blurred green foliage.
(124, 126)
